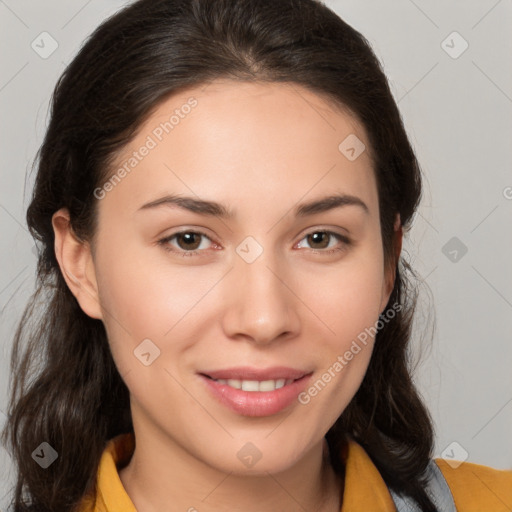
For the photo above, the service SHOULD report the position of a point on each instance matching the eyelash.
(164, 242)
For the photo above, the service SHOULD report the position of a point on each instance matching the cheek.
(346, 299)
(134, 290)
(149, 299)
(348, 303)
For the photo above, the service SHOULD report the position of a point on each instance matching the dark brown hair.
(66, 389)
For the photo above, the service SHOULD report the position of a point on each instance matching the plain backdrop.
(449, 66)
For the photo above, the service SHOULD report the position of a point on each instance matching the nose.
(260, 304)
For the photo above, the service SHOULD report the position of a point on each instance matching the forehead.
(245, 139)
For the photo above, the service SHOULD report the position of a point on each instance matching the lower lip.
(256, 403)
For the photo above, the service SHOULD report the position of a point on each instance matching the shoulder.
(477, 487)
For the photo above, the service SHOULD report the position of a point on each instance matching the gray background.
(457, 108)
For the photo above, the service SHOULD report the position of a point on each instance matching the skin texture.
(260, 150)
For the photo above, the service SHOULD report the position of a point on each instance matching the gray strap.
(437, 489)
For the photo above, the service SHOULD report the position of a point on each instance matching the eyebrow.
(212, 208)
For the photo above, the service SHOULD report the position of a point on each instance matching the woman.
(221, 198)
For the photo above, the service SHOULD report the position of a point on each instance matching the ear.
(76, 264)
(389, 281)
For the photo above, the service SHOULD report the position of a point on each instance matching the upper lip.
(248, 373)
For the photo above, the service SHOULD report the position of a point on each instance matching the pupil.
(318, 235)
(189, 239)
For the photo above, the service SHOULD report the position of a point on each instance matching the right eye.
(189, 238)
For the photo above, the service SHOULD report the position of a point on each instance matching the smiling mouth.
(253, 392)
(255, 385)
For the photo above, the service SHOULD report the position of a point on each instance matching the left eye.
(320, 237)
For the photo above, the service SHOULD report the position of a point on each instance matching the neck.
(189, 484)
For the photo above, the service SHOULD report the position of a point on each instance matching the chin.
(256, 458)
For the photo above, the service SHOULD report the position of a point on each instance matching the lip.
(249, 373)
(256, 403)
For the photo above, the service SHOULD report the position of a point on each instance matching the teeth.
(234, 383)
(271, 385)
(250, 385)
(255, 385)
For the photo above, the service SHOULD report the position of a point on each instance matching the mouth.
(250, 392)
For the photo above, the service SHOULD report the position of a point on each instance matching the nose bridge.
(262, 307)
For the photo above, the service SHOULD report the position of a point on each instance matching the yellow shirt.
(475, 488)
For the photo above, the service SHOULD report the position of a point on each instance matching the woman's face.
(274, 284)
